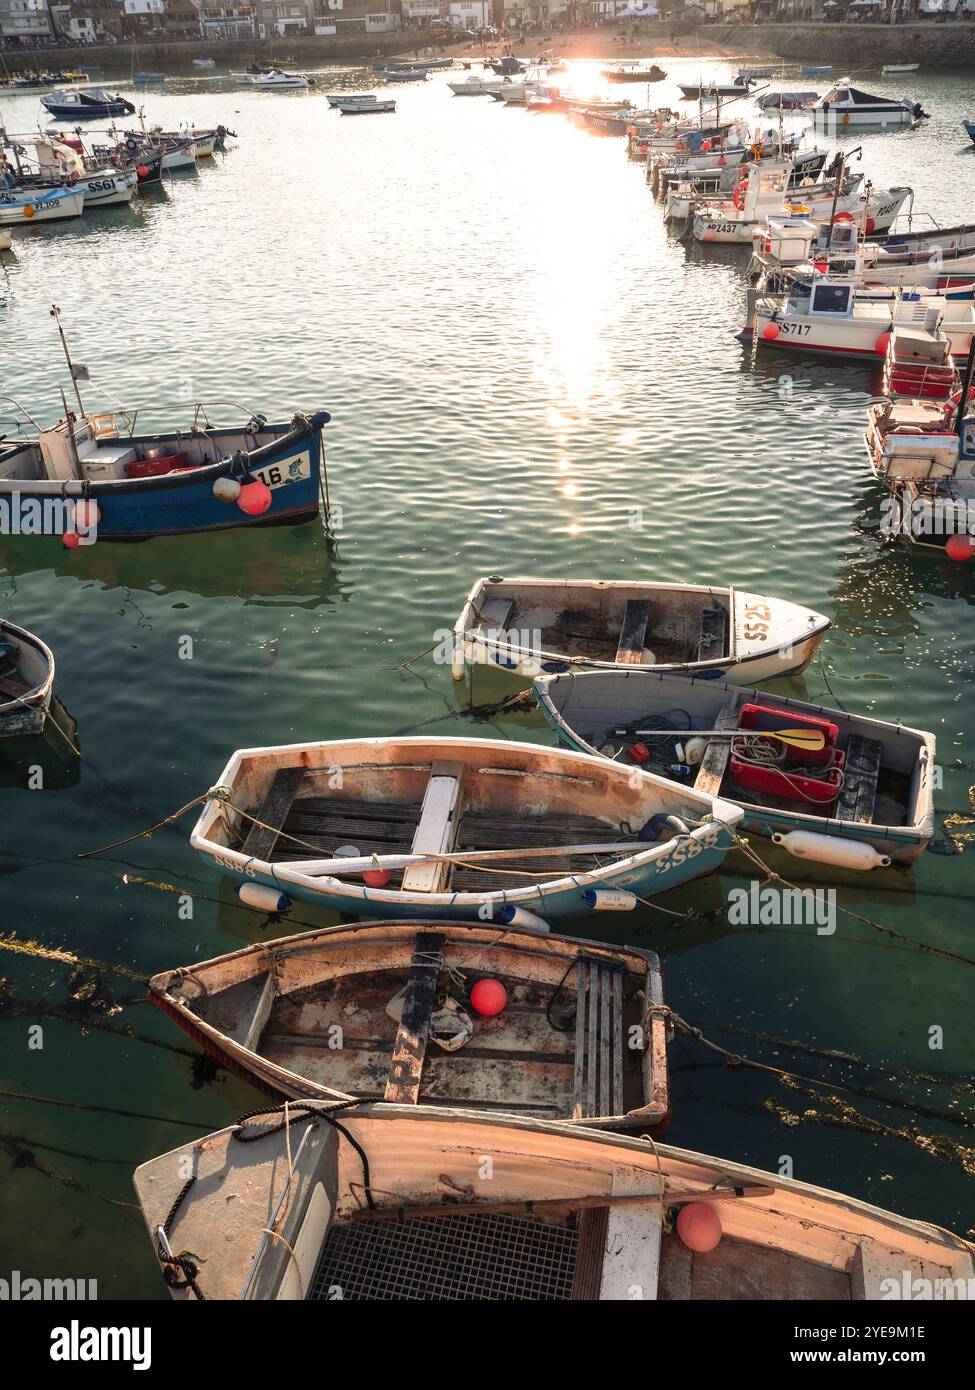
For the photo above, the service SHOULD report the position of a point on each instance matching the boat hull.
(46, 207)
(27, 714)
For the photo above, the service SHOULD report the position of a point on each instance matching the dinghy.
(348, 98)
(204, 62)
(399, 995)
(530, 626)
(392, 1202)
(847, 107)
(26, 681)
(459, 829)
(870, 784)
(404, 75)
(969, 129)
(899, 67)
(356, 107)
(476, 86)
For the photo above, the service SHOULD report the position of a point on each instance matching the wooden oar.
(810, 740)
(403, 861)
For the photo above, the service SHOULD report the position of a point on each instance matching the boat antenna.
(56, 316)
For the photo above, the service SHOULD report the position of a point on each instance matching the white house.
(471, 14)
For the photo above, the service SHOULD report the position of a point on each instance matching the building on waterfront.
(225, 21)
(282, 17)
(471, 14)
(25, 22)
(421, 12)
(356, 16)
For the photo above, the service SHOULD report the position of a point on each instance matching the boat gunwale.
(40, 693)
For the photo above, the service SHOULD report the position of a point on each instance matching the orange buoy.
(254, 498)
(28, 211)
(770, 332)
(960, 547)
(489, 997)
(881, 345)
(699, 1227)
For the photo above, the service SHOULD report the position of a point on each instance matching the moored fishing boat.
(476, 86)
(26, 681)
(633, 72)
(529, 626)
(864, 798)
(423, 827)
(764, 191)
(820, 313)
(405, 75)
(390, 1202)
(845, 106)
(899, 67)
(702, 91)
(41, 205)
(85, 105)
(936, 258)
(204, 62)
(969, 129)
(349, 98)
(406, 997)
(45, 163)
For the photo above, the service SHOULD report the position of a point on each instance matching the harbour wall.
(165, 55)
(851, 46)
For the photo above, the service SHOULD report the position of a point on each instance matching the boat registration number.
(798, 330)
(687, 849)
(293, 470)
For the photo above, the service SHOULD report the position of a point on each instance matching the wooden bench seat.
(410, 1048)
(494, 615)
(861, 771)
(633, 633)
(273, 812)
(436, 829)
(598, 1079)
(717, 755)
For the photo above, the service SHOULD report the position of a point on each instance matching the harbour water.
(528, 374)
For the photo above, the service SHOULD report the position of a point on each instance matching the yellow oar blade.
(810, 740)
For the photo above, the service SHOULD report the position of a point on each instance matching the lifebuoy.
(843, 217)
(739, 195)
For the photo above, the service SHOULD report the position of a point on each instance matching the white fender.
(610, 899)
(265, 899)
(829, 849)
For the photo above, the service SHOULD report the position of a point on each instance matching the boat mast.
(56, 316)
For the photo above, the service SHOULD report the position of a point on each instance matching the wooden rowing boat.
(26, 681)
(312, 1017)
(543, 626)
(464, 829)
(397, 1202)
(876, 785)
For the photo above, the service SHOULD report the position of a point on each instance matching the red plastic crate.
(794, 786)
(154, 468)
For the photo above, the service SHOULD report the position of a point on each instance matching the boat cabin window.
(831, 299)
(843, 235)
(774, 183)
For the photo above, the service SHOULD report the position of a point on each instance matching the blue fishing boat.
(26, 681)
(811, 70)
(91, 477)
(970, 129)
(465, 829)
(405, 75)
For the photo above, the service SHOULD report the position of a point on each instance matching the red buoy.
(376, 878)
(699, 1227)
(142, 171)
(489, 997)
(880, 346)
(770, 332)
(254, 498)
(71, 540)
(960, 547)
(870, 225)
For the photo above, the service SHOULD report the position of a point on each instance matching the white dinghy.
(393, 1202)
(536, 626)
(463, 829)
(861, 800)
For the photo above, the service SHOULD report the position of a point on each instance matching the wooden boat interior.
(608, 622)
(25, 665)
(885, 771)
(98, 447)
(492, 1208)
(437, 797)
(561, 1048)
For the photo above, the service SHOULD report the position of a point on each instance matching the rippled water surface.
(517, 354)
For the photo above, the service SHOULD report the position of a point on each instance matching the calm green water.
(516, 353)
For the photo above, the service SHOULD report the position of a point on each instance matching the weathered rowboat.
(382, 1010)
(872, 784)
(535, 626)
(426, 827)
(392, 1202)
(26, 681)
